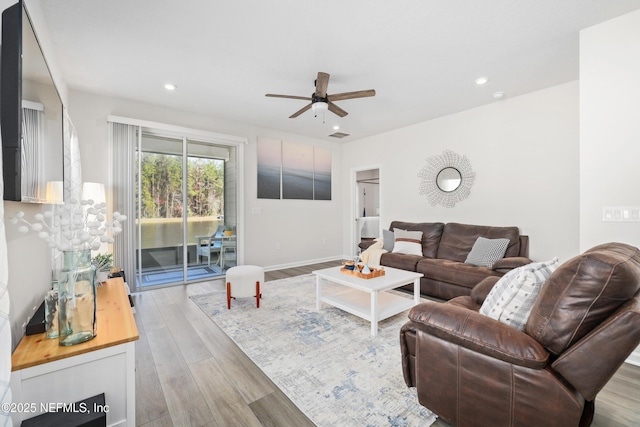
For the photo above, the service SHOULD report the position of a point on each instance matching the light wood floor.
(189, 373)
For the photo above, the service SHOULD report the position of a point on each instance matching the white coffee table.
(367, 298)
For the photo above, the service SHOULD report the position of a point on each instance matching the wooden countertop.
(116, 325)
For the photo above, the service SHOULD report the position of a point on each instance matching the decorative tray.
(375, 272)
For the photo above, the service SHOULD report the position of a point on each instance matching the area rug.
(325, 361)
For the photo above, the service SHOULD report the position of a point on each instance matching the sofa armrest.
(364, 244)
(480, 291)
(479, 333)
(505, 264)
(611, 341)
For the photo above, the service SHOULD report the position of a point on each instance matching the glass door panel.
(209, 225)
(160, 211)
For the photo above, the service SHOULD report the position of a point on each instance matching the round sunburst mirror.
(446, 179)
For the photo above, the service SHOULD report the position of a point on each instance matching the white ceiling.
(421, 56)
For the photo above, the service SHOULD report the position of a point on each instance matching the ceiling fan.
(321, 102)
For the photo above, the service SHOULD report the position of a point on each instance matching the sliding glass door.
(185, 209)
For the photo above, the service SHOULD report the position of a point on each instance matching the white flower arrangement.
(74, 225)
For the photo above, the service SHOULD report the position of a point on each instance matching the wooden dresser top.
(115, 325)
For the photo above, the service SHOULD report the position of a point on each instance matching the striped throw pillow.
(511, 299)
(407, 242)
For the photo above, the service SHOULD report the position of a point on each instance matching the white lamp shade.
(93, 191)
(54, 192)
(319, 107)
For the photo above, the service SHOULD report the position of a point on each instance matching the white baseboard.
(301, 263)
(634, 358)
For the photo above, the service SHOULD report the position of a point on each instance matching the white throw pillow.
(407, 242)
(511, 299)
(485, 252)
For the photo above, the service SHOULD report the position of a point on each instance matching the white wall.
(29, 268)
(306, 231)
(609, 131)
(524, 152)
(610, 134)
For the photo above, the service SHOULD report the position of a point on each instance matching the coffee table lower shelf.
(368, 299)
(359, 303)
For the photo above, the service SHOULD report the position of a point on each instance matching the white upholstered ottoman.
(244, 281)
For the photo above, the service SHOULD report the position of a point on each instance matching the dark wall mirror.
(31, 115)
(448, 179)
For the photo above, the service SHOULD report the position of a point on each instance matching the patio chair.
(228, 254)
(207, 245)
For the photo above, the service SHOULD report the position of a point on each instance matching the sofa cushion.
(458, 273)
(458, 239)
(583, 292)
(407, 242)
(485, 252)
(511, 299)
(431, 233)
(401, 261)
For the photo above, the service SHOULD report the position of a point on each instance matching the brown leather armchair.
(472, 370)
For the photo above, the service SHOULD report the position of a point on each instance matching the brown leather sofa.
(445, 248)
(472, 370)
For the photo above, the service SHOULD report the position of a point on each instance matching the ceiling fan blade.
(321, 84)
(337, 110)
(300, 111)
(306, 98)
(351, 95)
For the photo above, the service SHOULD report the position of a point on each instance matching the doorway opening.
(366, 206)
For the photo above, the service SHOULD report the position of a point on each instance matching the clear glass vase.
(51, 312)
(76, 298)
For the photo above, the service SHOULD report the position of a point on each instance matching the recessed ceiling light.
(481, 80)
(170, 86)
(498, 95)
(336, 127)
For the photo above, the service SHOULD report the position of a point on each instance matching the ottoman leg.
(229, 295)
(258, 294)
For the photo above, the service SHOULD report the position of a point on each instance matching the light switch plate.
(621, 214)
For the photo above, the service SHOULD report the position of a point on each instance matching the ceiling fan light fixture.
(319, 107)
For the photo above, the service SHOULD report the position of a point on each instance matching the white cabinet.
(45, 374)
